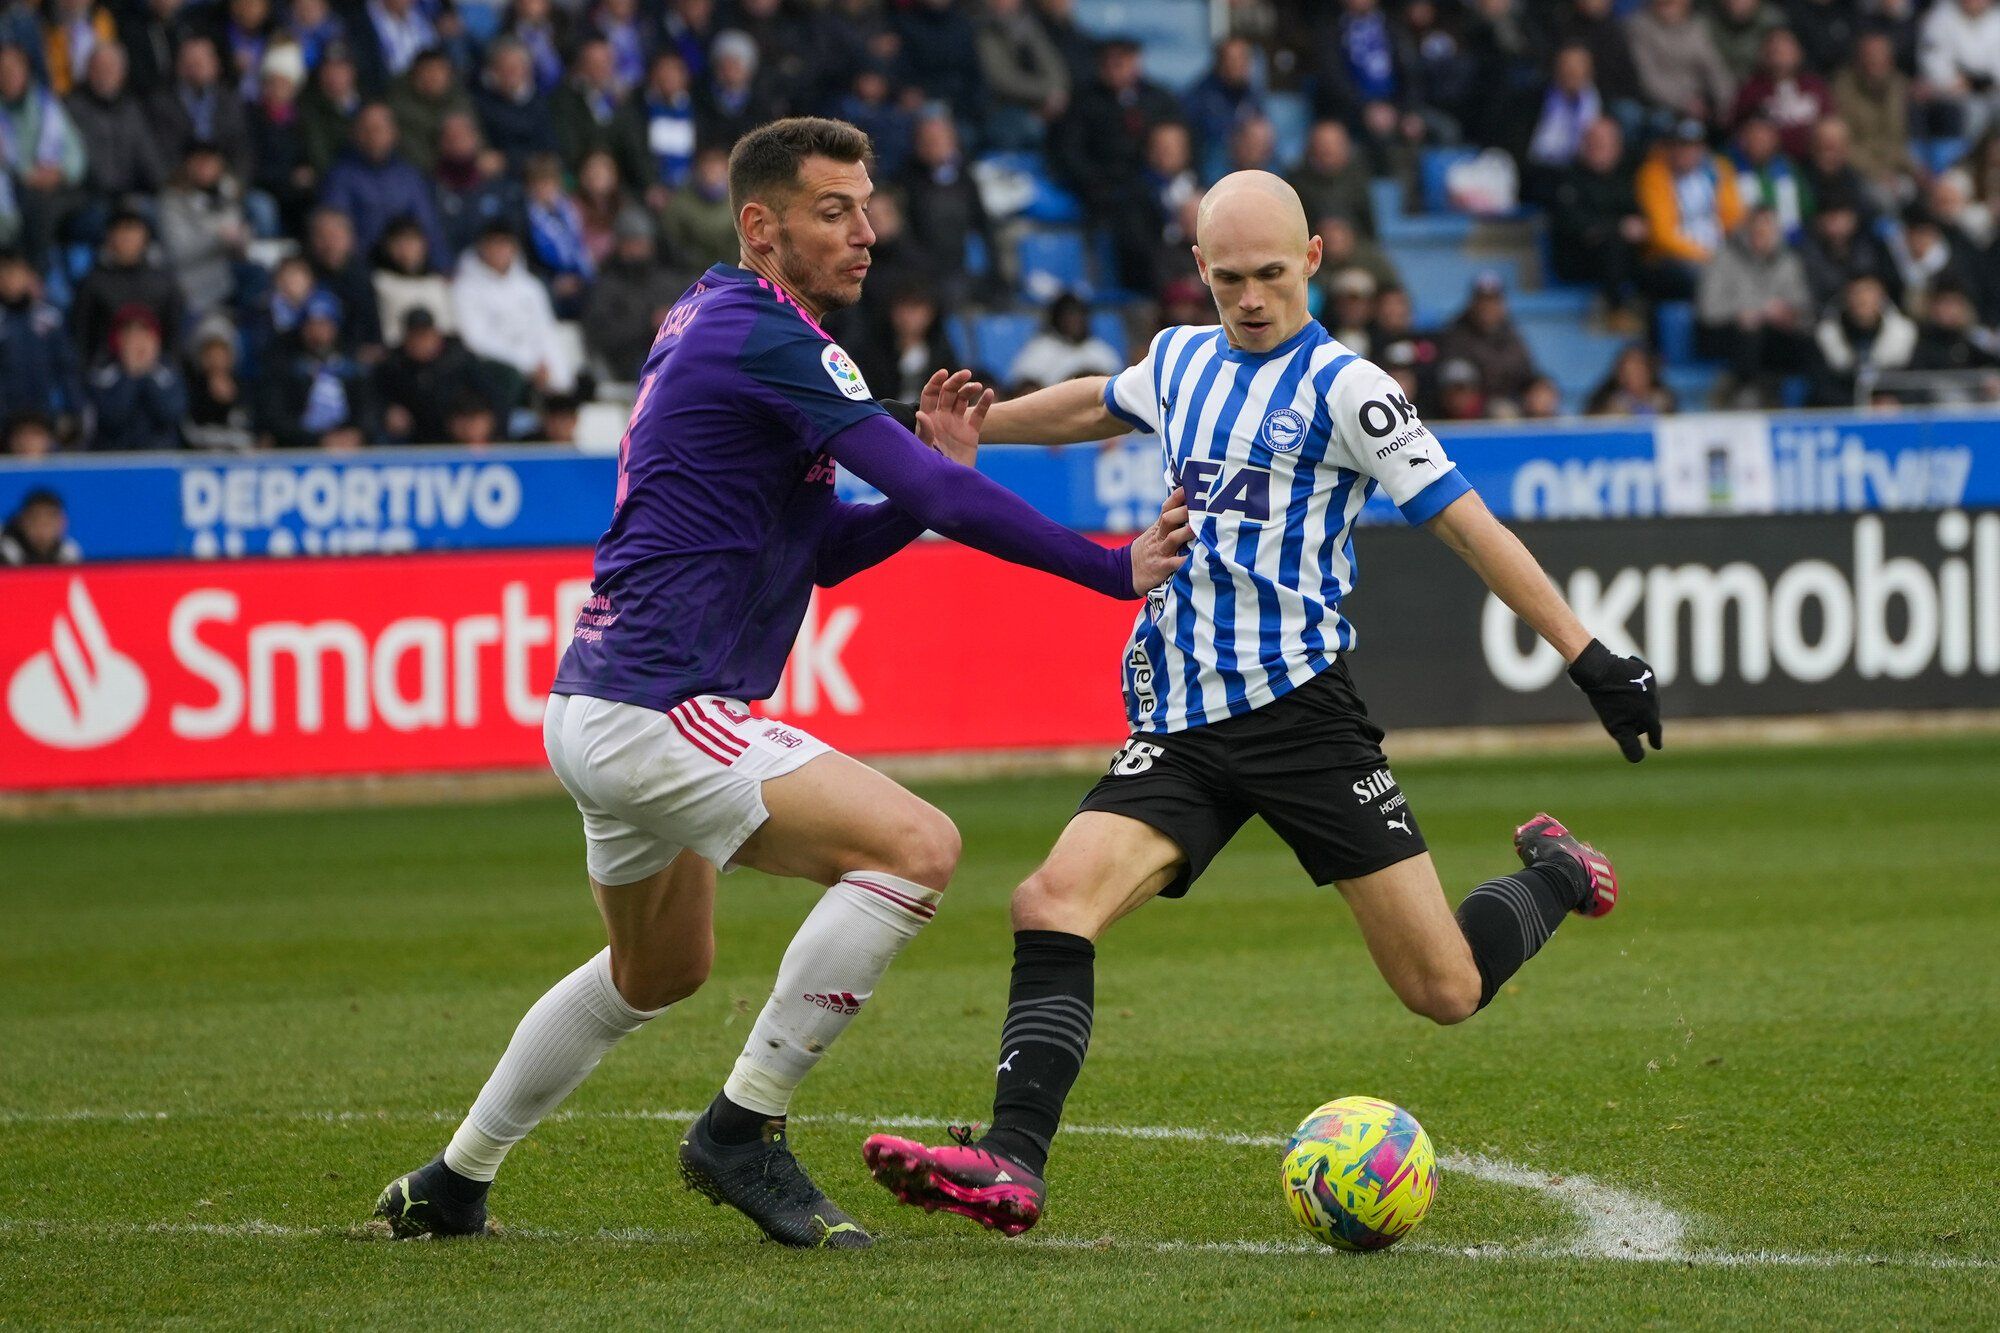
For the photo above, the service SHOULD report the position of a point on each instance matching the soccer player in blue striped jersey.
(1238, 694)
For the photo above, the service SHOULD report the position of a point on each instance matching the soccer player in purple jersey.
(725, 519)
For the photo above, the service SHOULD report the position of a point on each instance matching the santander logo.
(80, 692)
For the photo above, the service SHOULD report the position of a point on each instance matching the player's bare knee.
(1049, 900)
(658, 990)
(1443, 997)
(654, 983)
(927, 849)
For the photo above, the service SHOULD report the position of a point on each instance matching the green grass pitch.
(220, 1035)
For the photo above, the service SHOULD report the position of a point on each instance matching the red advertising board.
(185, 672)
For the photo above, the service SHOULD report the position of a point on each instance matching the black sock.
(731, 1125)
(1506, 920)
(1042, 1043)
(459, 1190)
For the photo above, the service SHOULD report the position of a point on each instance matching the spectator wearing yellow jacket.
(1688, 197)
(74, 29)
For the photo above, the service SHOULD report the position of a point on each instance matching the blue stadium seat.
(1174, 33)
(1675, 323)
(1940, 154)
(482, 20)
(991, 342)
(1564, 302)
(1291, 117)
(1387, 196)
(1107, 325)
(57, 288)
(1448, 230)
(1432, 167)
(1052, 262)
(1047, 200)
(1692, 384)
(1440, 280)
(1574, 357)
(998, 339)
(1104, 262)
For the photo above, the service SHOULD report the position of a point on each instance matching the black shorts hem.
(1369, 867)
(1157, 819)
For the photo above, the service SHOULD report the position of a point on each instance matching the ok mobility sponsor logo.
(1878, 616)
(1814, 469)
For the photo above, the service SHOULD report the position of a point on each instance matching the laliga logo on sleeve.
(80, 692)
(1284, 430)
(846, 375)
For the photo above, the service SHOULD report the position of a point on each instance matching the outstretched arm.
(958, 502)
(1623, 690)
(1067, 413)
(947, 416)
(861, 536)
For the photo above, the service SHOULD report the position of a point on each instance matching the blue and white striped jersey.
(1277, 451)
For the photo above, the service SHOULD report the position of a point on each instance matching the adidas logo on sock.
(841, 1002)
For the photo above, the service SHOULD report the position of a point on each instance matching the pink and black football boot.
(1544, 841)
(959, 1177)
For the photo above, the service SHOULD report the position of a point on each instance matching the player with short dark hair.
(724, 521)
(1238, 694)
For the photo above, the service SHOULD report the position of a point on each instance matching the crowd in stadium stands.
(345, 223)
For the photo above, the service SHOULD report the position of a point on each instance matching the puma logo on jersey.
(1401, 822)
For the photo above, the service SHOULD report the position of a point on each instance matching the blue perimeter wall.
(153, 506)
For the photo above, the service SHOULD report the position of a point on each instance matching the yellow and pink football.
(1360, 1173)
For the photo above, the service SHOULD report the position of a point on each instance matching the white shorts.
(650, 783)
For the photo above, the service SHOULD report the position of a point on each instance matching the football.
(1360, 1173)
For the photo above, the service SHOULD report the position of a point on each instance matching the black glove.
(1625, 693)
(904, 414)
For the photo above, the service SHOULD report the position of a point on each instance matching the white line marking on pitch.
(1616, 1223)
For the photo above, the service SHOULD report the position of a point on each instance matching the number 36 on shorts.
(1135, 757)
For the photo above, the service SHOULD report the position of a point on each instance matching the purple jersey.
(725, 492)
(726, 518)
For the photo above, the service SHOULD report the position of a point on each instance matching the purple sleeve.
(859, 536)
(959, 503)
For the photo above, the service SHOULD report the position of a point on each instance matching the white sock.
(556, 1046)
(830, 970)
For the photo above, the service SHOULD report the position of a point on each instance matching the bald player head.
(1256, 255)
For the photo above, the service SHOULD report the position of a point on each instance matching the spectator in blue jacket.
(137, 400)
(386, 37)
(513, 111)
(1226, 96)
(873, 104)
(941, 54)
(557, 250)
(316, 396)
(656, 131)
(474, 189)
(374, 185)
(38, 366)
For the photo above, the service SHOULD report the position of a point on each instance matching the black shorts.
(1310, 764)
